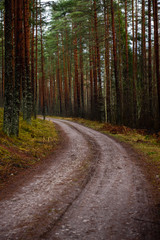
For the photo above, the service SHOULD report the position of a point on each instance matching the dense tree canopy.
(93, 59)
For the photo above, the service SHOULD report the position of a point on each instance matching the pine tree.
(8, 93)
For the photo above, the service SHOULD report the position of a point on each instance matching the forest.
(96, 59)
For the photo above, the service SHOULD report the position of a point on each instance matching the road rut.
(92, 189)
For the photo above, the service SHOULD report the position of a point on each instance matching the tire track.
(112, 202)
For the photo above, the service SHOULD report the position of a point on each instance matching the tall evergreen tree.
(8, 94)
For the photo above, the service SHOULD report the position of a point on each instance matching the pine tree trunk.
(27, 110)
(76, 85)
(69, 60)
(150, 61)
(94, 60)
(8, 94)
(144, 119)
(136, 43)
(32, 62)
(82, 77)
(14, 34)
(120, 62)
(156, 48)
(106, 21)
(118, 99)
(42, 72)
(134, 76)
(59, 80)
(127, 112)
(91, 79)
(65, 81)
(99, 109)
(36, 68)
(18, 69)
(51, 100)
(2, 56)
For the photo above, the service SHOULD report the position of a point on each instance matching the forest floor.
(35, 142)
(92, 187)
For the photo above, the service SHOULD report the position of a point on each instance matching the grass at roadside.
(35, 142)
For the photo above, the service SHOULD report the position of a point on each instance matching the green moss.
(35, 141)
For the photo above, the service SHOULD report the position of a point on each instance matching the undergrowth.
(35, 142)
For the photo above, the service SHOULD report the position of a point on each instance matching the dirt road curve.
(91, 189)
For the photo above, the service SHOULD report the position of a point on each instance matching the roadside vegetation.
(35, 142)
(147, 145)
(38, 139)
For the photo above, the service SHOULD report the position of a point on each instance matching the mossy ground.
(35, 142)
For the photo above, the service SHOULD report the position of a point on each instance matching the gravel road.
(92, 188)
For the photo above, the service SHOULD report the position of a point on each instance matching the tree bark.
(98, 63)
(118, 100)
(134, 73)
(156, 48)
(106, 21)
(32, 62)
(36, 67)
(18, 69)
(150, 61)
(65, 80)
(82, 78)
(76, 85)
(91, 78)
(8, 94)
(42, 72)
(2, 56)
(144, 119)
(59, 80)
(27, 111)
(127, 112)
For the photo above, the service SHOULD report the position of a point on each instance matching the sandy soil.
(92, 188)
